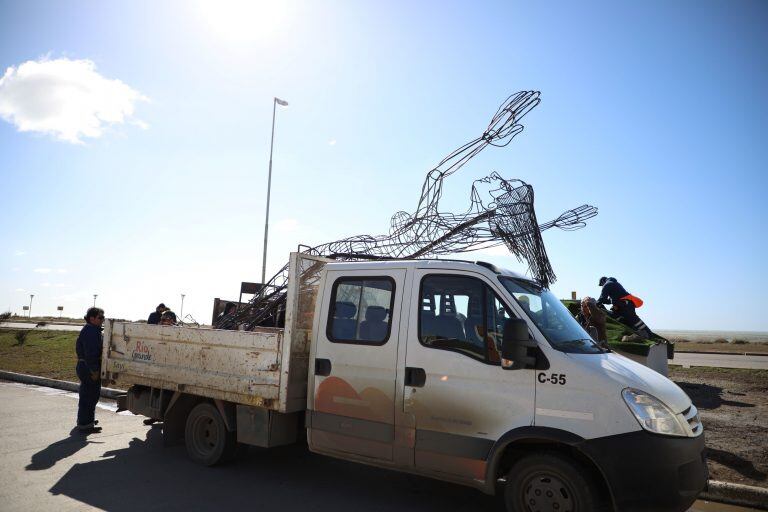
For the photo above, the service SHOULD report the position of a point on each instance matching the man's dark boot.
(89, 430)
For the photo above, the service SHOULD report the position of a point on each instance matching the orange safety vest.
(637, 301)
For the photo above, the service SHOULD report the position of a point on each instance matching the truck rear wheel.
(206, 436)
(549, 481)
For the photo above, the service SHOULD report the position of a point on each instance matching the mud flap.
(122, 403)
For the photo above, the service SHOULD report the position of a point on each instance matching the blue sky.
(655, 112)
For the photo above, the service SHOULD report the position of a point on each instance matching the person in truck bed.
(154, 317)
(88, 348)
(168, 318)
(592, 319)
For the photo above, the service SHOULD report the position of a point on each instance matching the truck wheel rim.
(547, 492)
(205, 435)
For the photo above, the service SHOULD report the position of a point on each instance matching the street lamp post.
(31, 296)
(181, 313)
(94, 299)
(275, 103)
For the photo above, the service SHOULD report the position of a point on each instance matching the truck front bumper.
(649, 472)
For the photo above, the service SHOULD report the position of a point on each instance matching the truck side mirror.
(515, 343)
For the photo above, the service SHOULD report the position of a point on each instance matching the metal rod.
(269, 187)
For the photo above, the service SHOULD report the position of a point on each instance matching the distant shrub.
(739, 342)
(5, 316)
(682, 340)
(721, 340)
(21, 337)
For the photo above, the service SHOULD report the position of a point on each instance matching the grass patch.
(44, 353)
(615, 331)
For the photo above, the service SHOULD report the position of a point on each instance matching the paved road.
(721, 360)
(126, 468)
(49, 327)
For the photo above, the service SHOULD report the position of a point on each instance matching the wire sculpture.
(506, 216)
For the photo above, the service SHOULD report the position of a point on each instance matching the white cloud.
(15, 269)
(66, 98)
(61, 270)
(42, 270)
(19, 253)
(332, 142)
(45, 285)
(20, 289)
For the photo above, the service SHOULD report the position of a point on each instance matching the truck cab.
(468, 373)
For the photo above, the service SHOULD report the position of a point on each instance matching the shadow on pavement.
(147, 476)
(53, 453)
(739, 464)
(708, 397)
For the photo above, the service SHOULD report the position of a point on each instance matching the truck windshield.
(553, 319)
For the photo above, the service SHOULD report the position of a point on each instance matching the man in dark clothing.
(88, 348)
(612, 291)
(154, 318)
(623, 305)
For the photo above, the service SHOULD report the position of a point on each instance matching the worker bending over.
(623, 305)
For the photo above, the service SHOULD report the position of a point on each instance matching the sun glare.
(242, 20)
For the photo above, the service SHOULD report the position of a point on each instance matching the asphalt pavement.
(47, 466)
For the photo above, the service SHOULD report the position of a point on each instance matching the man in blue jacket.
(623, 305)
(88, 348)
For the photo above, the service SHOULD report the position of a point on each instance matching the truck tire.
(549, 481)
(206, 436)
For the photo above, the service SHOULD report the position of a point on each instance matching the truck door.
(355, 363)
(460, 398)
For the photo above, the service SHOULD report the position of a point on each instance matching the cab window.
(461, 314)
(360, 310)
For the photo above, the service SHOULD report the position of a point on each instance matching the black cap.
(161, 305)
(602, 281)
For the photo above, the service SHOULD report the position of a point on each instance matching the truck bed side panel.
(237, 366)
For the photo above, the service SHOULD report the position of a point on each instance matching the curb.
(751, 354)
(53, 383)
(736, 494)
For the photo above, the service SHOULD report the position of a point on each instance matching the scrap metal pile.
(501, 211)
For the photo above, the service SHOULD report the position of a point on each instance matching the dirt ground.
(733, 405)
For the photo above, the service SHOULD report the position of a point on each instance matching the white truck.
(450, 369)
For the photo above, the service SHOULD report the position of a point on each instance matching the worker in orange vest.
(623, 305)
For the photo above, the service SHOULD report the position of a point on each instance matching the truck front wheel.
(206, 436)
(549, 481)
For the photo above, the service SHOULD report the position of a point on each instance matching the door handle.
(323, 367)
(415, 377)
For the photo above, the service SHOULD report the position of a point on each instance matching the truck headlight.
(652, 414)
